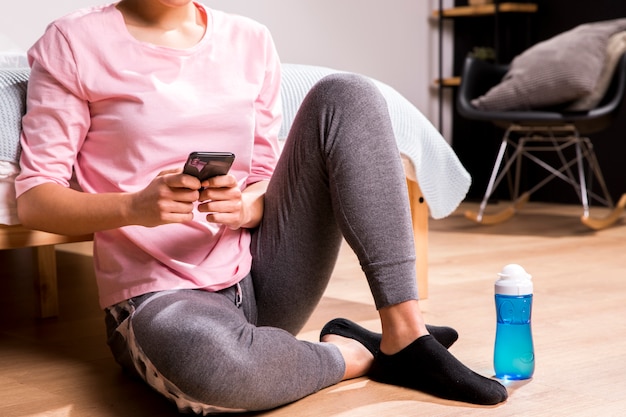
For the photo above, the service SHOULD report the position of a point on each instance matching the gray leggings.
(339, 175)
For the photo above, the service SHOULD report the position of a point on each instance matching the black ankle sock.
(443, 334)
(371, 340)
(427, 366)
(347, 328)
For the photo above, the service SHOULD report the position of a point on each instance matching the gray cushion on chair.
(556, 71)
(615, 49)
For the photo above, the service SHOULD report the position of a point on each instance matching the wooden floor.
(61, 367)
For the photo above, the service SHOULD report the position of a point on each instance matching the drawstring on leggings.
(238, 295)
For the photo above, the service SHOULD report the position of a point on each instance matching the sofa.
(443, 181)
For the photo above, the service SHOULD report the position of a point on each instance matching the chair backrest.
(479, 76)
(614, 96)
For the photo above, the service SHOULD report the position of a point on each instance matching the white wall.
(393, 41)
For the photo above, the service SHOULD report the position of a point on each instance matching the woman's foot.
(425, 365)
(357, 357)
(371, 340)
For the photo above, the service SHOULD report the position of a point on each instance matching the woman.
(204, 285)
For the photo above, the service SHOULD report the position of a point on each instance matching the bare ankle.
(402, 324)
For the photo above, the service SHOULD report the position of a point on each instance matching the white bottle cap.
(514, 280)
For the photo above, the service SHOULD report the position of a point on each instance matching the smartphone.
(205, 165)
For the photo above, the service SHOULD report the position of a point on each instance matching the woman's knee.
(348, 89)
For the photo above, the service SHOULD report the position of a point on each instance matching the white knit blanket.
(442, 178)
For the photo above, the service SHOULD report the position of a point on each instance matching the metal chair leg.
(494, 181)
(594, 170)
(581, 179)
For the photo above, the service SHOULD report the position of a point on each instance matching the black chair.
(529, 133)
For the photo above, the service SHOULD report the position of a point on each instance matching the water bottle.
(514, 356)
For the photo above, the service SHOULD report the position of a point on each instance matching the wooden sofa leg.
(419, 214)
(46, 285)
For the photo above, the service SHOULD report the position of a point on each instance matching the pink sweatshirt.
(120, 111)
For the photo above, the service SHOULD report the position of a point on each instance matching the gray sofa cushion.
(556, 71)
(13, 83)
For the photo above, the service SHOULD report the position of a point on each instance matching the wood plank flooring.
(62, 367)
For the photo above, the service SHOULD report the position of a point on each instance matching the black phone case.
(205, 165)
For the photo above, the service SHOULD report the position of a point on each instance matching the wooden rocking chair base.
(608, 220)
(501, 216)
(508, 212)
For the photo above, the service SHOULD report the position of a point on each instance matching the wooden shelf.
(486, 9)
(449, 82)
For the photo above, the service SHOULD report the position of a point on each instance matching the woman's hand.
(169, 198)
(226, 204)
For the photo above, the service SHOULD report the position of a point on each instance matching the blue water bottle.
(514, 356)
